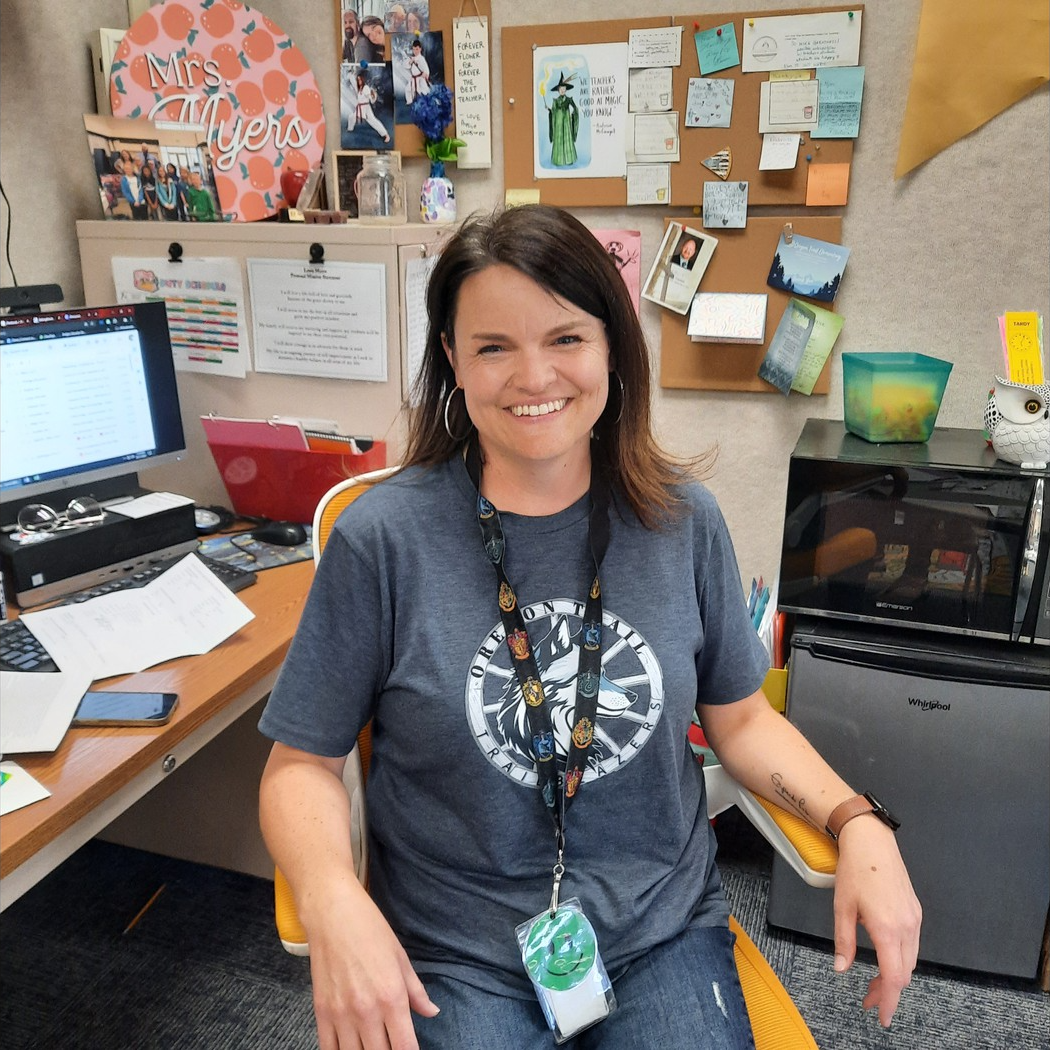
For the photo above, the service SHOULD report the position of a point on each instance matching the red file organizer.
(287, 484)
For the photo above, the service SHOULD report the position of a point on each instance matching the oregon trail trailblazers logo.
(630, 692)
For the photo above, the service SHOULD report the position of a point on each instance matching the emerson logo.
(928, 705)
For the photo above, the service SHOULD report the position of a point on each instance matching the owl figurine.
(1017, 419)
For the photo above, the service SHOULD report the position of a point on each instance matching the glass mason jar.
(381, 190)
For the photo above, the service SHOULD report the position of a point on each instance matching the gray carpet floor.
(203, 970)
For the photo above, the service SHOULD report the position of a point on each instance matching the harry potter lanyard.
(556, 796)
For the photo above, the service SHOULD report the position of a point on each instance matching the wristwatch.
(856, 807)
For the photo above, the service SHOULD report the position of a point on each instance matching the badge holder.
(560, 953)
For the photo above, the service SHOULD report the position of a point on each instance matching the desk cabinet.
(359, 407)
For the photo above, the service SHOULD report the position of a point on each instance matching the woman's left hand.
(872, 888)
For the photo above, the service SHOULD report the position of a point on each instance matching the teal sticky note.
(716, 48)
(841, 91)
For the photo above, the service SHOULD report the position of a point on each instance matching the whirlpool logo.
(928, 705)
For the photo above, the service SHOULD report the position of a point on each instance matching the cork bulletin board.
(740, 264)
(687, 175)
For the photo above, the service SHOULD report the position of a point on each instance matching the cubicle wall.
(359, 407)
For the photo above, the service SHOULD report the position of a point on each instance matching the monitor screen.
(85, 395)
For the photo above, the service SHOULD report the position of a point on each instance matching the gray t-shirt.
(402, 626)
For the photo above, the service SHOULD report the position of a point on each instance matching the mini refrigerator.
(953, 735)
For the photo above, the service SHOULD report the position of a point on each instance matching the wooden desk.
(96, 774)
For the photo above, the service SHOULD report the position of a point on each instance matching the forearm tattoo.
(790, 800)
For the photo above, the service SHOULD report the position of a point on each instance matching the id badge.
(560, 954)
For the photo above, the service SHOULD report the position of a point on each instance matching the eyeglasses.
(39, 517)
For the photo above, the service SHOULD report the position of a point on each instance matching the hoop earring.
(448, 428)
(623, 398)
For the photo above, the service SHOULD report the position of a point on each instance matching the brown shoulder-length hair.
(560, 254)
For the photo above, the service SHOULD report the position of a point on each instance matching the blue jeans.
(684, 993)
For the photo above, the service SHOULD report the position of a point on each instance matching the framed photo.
(346, 164)
(678, 266)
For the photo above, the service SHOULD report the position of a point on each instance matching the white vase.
(437, 199)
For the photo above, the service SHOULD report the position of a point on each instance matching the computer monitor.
(87, 399)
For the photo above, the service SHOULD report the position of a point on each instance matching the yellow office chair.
(775, 1020)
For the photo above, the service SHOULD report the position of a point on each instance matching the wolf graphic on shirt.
(630, 694)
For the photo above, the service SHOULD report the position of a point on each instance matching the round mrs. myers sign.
(223, 65)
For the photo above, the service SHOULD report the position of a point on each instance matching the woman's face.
(412, 23)
(534, 369)
(376, 33)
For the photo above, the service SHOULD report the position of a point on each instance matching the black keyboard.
(21, 651)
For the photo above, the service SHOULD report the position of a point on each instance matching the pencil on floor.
(145, 908)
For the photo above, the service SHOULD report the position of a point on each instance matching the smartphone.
(125, 709)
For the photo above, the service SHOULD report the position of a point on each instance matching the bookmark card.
(827, 185)
(821, 341)
(727, 317)
(652, 138)
(787, 346)
(779, 152)
(649, 90)
(648, 183)
(654, 47)
(841, 92)
(788, 105)
(1022, 335)
(716, 48)
(709, 103)
(725, 205)
(680, 263)
(808, 267)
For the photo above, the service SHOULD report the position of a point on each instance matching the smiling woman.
(533, 610)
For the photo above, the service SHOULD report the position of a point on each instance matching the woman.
(363, 112)
(534, 400)
(166, 193)
(132, 189)
(149, 192)
(371, 43)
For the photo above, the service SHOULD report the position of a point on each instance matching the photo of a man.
(685, 255)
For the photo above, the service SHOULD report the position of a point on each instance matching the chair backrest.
(336, 499)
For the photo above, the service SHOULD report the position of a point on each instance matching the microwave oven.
(938, 535)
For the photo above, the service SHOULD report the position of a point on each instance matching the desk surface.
(92, 766)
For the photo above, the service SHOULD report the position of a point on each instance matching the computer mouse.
(282, 533)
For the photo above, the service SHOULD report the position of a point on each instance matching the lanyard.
(557, 789)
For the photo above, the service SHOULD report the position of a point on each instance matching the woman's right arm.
(364, 986)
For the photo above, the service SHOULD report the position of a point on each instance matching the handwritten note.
(829, 38)
(648, 183)
(727, 317)
(827, 185)
(725, 205)
(650, 90)
(654, 47)
(841, 92)
(779, 151)
(716, 48)
(788, 105)
(653, 137)
(470, 57)
(709, 103)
